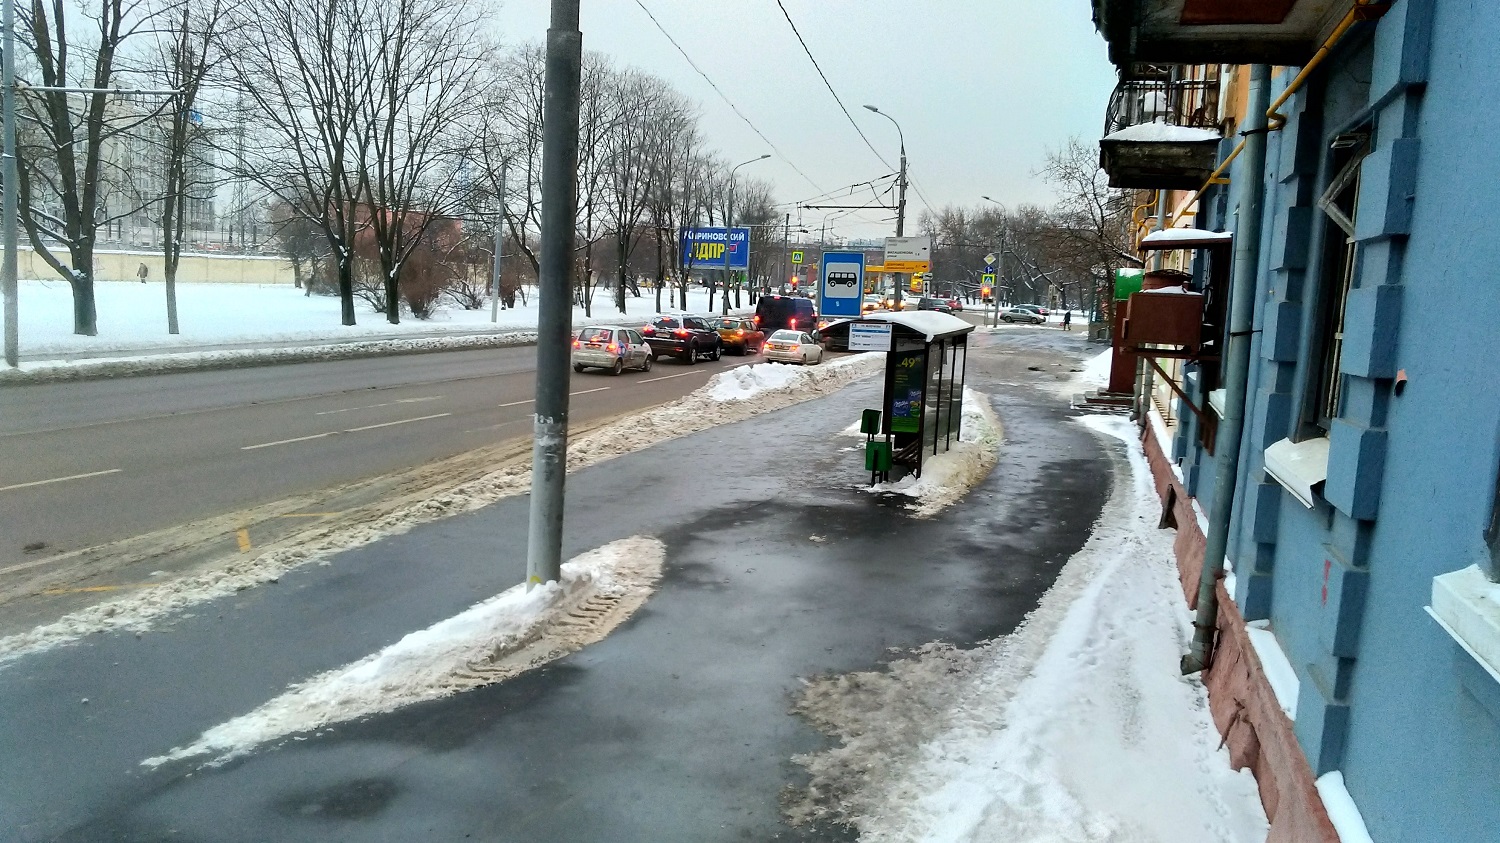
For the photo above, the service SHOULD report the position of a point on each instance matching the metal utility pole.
(900, 200)
(499, 242)
(786, 237)
(549, 448)
(8, 205)
(729, 232)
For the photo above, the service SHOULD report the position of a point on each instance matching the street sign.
(841, 284)
(987, 279)
(908, 254)
(703, 248)
(797, 256)
(870, 336)
(989, 259)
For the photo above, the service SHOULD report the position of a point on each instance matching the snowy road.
(675, 727)
(93, 462)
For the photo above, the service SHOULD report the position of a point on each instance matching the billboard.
(703, 248)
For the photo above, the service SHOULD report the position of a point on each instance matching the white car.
(610, 347)
(786, 346)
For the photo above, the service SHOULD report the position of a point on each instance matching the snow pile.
(744, 382)
(1076, 727)
(510, 633)
(696, 411)
(1342, 811)
(1162, 133)
(1093, 376)
(948, 476)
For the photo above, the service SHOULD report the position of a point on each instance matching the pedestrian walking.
(1067, 320)
(142, 273)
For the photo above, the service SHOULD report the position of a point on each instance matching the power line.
(726, 99)
(829, 85)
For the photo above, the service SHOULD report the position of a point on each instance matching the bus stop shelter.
(921, 409)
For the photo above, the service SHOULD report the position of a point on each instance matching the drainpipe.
(1248, 187)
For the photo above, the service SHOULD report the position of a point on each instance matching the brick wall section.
(1257, 732)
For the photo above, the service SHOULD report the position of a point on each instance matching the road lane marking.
(386, 404)
(394, 423)
(517, 403)
(531, 400)
(242, 536)
(587, 391)
(680, 375)
(90, 589)
(288, 441)
(309, 514)
(336, 432)
(60, 479)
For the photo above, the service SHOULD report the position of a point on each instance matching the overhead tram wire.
(829, 85)
(727, 100)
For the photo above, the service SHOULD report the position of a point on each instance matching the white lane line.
(376, 406)
(288, 441)
(517, 403)
(394, 423)
(669, 377)
(587, 391)
(530, 400)
(60, 479)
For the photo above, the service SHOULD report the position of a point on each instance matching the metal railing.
(1192, 102)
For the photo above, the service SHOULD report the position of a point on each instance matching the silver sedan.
(787, 346)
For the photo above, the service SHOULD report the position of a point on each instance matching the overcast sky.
(982, 88)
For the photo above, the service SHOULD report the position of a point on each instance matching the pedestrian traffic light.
(795, 279)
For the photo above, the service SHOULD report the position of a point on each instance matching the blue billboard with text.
(703, 248)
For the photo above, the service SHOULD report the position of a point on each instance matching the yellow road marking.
(309, 514)
(95, 588)
(242, 535)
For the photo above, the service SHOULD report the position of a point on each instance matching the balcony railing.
(1193, 103)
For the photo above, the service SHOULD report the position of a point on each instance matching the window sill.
(1466, 604)
(1300, 467)
(1216, 401)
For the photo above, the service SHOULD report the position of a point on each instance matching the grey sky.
(982, 88)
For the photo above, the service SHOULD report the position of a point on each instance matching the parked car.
(775, 313)
(939, 305)
(685, 337)
(1022, 314)
(787, 346)
(955, 304)
(610, 347)
(740, 336)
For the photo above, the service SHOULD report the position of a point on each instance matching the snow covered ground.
(132, 317)
(516, 630)
(1077, 727)
(949, 476)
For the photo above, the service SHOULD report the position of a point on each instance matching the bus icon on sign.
(843, 279)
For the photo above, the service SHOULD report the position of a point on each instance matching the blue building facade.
(1367, 476)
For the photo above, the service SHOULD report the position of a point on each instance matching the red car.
(956, 305)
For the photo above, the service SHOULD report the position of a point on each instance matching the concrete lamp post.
(901, 196)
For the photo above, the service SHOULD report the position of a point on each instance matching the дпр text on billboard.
(703, 248)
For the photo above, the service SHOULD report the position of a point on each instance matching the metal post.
(729, 232)
(786, 236)
(499, 244)
(549, 450)
(901, 214)
(8, 203)
(1247, 187)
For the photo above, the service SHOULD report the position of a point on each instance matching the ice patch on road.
(514, 631)
(140, 611)
(1076, 727)
(949, 476)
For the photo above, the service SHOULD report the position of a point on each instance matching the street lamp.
(901, 199)
(729, 232)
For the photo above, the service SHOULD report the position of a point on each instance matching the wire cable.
(829, 85)
(726, 99)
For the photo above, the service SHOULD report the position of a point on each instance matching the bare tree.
(1092, 216)
(66, 172)
(300, 66)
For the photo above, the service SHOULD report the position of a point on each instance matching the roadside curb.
(155, 364)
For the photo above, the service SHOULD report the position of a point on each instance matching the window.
(1340, 203)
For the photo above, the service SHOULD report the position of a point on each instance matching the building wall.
(1386, 696)
(120, 265)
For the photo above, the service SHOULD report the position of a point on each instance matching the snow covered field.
(133, 317)
(1077, 727)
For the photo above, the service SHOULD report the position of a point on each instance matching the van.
(775, 313)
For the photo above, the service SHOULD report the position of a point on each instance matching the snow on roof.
(1162, 133)
(1185, 237)
(928, 323)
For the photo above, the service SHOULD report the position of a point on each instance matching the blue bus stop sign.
(841, 283)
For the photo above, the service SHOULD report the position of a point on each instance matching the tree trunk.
(85, 317)
(623, 253)
(346, 289)
(392, 296)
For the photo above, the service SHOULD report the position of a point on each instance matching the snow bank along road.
(87, 463)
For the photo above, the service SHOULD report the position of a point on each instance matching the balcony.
(1162, 129)
(1277, 32)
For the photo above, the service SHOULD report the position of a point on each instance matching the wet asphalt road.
(676, 727)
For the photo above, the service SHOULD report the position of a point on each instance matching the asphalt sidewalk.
(675, 727)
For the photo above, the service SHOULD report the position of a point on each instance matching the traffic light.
(984, 291)
(795, 279)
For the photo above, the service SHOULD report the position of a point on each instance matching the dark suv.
(774, 313)
(684, 337)
(940, 305)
